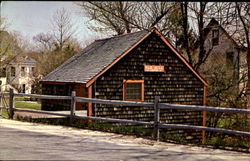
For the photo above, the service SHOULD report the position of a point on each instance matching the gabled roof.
(215, 24)
(99, 56)
(22, 59)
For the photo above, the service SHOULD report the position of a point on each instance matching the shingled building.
(132, 67)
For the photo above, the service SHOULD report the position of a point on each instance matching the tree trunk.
(184, 7)
(201, 35)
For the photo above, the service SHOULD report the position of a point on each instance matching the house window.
(32, 71)
(3, 72)
(13, 71)
(133, 90)
(230, 60)
(215, 39)
(22, 71)
(33, 89)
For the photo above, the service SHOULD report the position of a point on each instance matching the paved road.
(28, 141)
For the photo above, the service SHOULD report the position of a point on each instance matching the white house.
(3, 84)
(19, 73)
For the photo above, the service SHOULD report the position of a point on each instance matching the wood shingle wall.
(59, 90)
(177, 85)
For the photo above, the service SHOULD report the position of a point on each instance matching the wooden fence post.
(73, 105)
(11, 103)
(1, 105)
(156, 119)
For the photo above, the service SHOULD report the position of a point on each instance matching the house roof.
(23, 59)
(20, 59)
(99, 56)
(215, 24)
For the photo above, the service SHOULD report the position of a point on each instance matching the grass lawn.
(4, 113)
(20, 103)
(28, 105)
(23, 104)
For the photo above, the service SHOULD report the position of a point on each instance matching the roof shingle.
(93, 59)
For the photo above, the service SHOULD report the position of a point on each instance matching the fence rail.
(157, 106)
(44, 96)
(179, 126)
(41, 112)
(114, 102)
(204, 108)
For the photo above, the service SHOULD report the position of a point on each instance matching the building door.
(80, 92)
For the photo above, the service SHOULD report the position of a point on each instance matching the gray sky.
(33, 17)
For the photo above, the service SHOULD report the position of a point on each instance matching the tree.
(243, 13)
(62, 32)
(236, 17)
(8, 47)
(124, 17)
(186, 38)
(3, 24)
(45, 42)
(63, 27)
(199, 10)
(223, 90)
(48, 61)
(171, 18)
(57, 46)
(11, 43)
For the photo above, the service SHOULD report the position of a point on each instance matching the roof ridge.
(214, 23)
(98, 55)
(108, 38)
(85, 51)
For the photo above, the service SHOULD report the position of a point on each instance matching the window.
(13, 71)
(32, 71)
(230, 60)
(215, 35)
(22, 71)
(133, 90)
(3, 72)
(33, 89)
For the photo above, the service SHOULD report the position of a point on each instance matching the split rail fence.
(157, 106)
